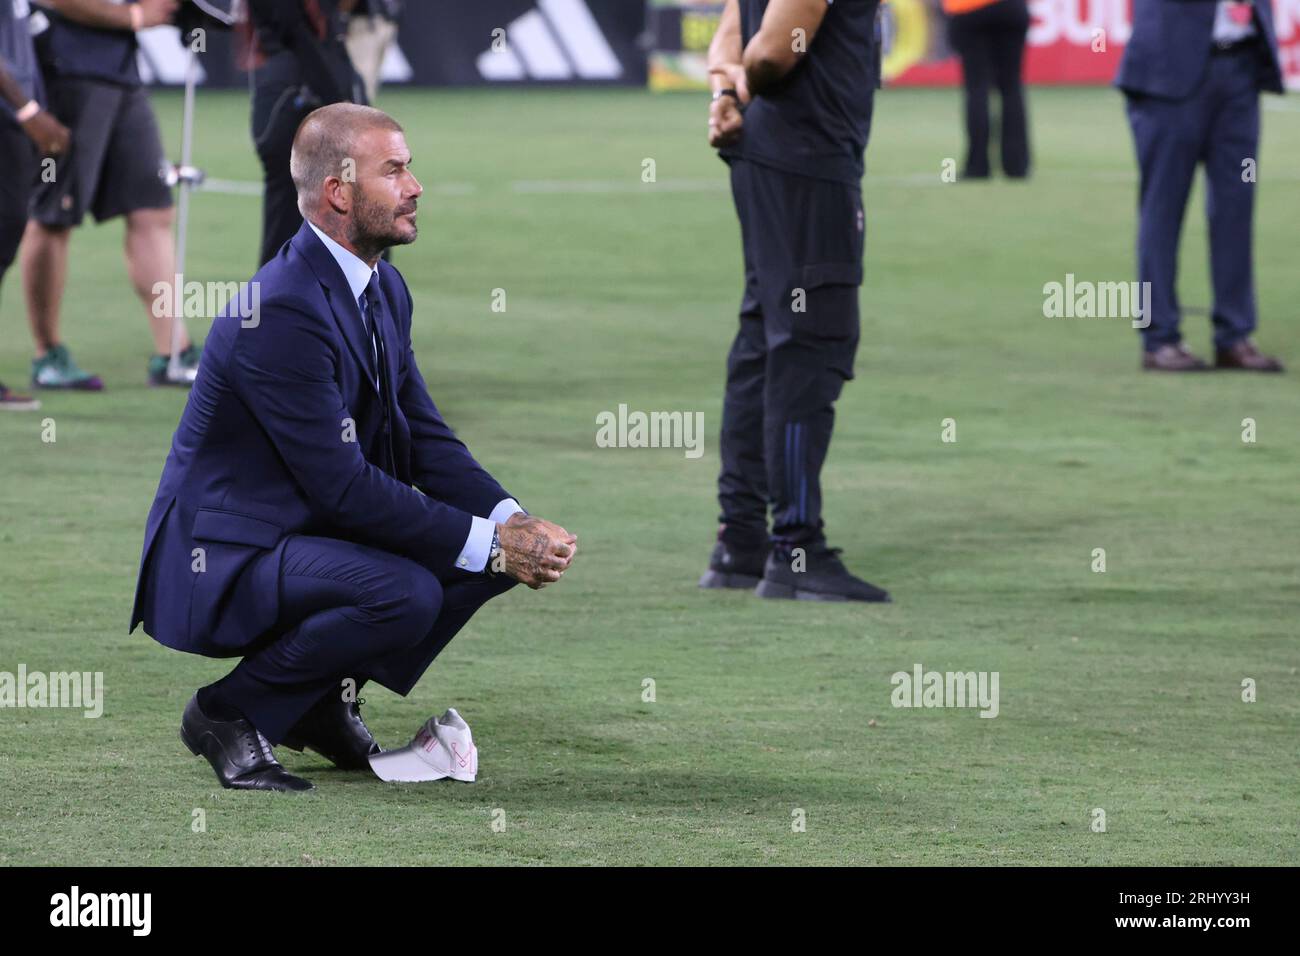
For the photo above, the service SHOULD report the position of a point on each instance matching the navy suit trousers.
(347, 610)
(1216, 125)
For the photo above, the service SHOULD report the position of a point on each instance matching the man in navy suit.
(1192, 74)
(316, 516)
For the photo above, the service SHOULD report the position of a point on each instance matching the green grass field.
(1119, 691)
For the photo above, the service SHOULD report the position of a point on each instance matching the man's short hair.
(325, 139)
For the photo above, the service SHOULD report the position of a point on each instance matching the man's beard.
(373, 227)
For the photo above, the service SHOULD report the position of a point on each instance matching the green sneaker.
(56, 369)
(183, 375)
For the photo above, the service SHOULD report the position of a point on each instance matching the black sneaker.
(815, 575)
(730, 567)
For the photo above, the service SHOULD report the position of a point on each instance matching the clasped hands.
(534, 551)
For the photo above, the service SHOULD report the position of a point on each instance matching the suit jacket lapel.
(346, 312)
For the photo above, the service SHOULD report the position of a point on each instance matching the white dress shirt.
(1228, 30)
(474, 556)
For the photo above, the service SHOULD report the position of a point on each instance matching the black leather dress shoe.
(334, 729)
(237, 751)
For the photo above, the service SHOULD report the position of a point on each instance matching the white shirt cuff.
(474, 556)
(505, 508)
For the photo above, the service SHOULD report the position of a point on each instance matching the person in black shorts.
(793, 83)
(27, 132)
(115, 167)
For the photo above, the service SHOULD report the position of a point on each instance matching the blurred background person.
(27, 131)
(115, 167)
(1192, 74)
(372, 28)
(299, 62)
(989, 37)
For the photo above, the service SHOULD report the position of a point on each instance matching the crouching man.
(316, 516)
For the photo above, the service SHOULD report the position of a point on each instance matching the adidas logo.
(558, 40)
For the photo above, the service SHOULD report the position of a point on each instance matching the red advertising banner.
(1070, 41)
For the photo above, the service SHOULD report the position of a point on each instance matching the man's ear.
(338, 194)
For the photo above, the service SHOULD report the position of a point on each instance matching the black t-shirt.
(817, 121)
(69, 48)
(301, 45)
(16, 52)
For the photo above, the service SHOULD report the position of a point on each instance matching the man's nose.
(414, 190)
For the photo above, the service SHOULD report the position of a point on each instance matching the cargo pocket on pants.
(829, 321)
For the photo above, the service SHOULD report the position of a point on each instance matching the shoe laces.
(259, 746)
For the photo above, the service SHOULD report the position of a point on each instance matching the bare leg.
(151, 259)
(45, 270)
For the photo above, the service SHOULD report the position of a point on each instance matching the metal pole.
(185, 180)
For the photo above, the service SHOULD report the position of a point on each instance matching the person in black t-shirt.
(28, 131)
(793, 82)
(296, 51)
(115, 166)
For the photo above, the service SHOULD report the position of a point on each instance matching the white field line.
(598, 187)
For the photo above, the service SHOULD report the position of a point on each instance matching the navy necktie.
(372, 306)
(369, 303)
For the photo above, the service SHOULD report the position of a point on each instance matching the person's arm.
(114, 16)
(284, 372)
(441, 464)
(49, 135)
(727, 79)
(781, 42)
(726, 52)
(289, 23)
(534, 551)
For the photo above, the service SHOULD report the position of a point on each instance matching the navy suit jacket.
(262, 452)
(1171, 45)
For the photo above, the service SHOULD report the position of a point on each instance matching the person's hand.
(49, 135)
(725, 118)
(534, 551)
(725, 122)
(155, 13)
(735, 74)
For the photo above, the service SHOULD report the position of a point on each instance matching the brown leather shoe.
(1245, 357)
(1172, 358)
